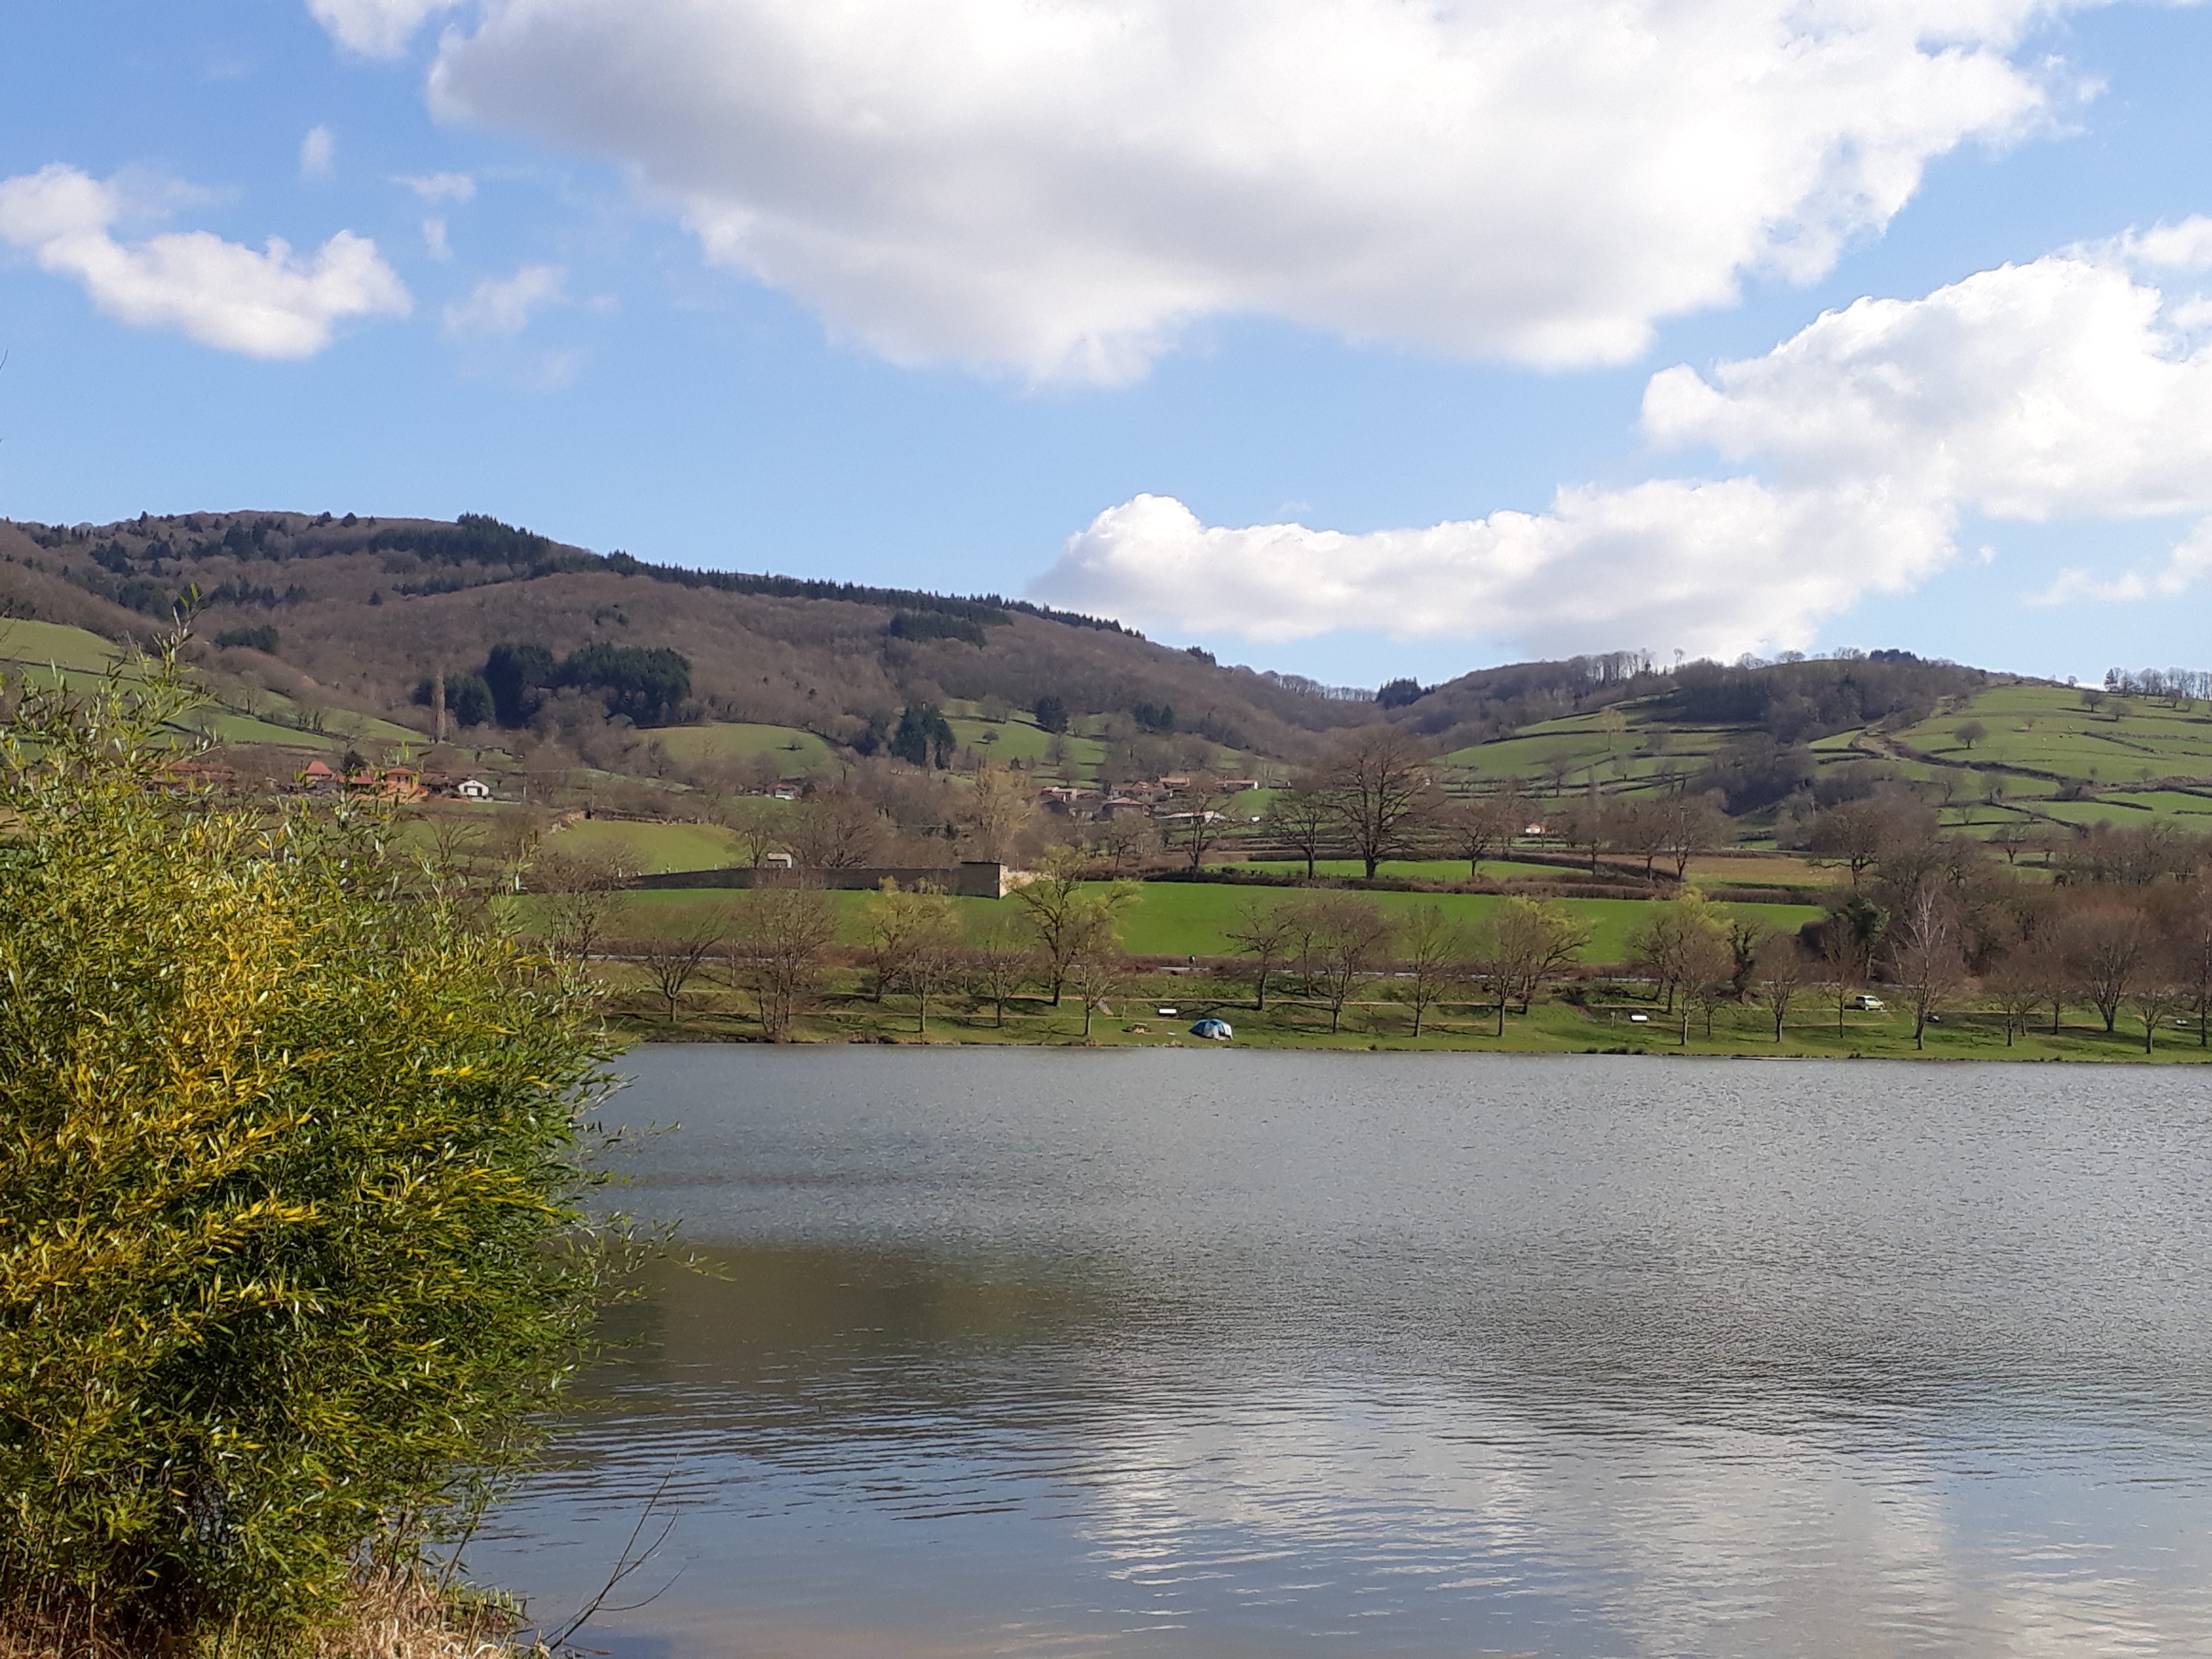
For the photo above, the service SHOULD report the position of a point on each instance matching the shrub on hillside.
(262, 639)
(291, 1247)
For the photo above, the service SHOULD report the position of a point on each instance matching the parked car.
(1869, 1004)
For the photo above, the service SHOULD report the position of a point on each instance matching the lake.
(1021, 1351)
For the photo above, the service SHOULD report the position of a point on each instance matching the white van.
(1871, 1005)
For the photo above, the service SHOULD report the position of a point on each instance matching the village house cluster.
(1163, 797)
(404, 784)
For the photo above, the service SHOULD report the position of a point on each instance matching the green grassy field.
(657, 849)
(2084, 813)
(2042, 729)
(2178, 803)
(1176, 919)
(1577, 743)
(798, 754)
(2048, 728)
(41, 645)
(1190, 919)
(1725, 870)
(224, 725)
(36, 647)
(1021, 739)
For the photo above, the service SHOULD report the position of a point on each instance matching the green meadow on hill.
(797, 754)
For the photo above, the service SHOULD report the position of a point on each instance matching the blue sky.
(1278, 328)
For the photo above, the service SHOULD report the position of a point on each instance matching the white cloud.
(1710, 567)
(1062, 185)
(376, 29)
(433, 239)
(435, 187)
(318, 153)
(2064, 388)
(267, 304)
(505, 305)
(2187, 246)
(2188, 564)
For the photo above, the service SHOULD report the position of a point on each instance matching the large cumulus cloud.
(1060, 186)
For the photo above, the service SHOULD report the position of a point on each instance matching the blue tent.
(1215, 1028)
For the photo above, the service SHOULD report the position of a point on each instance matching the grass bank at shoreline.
(1602, 1022)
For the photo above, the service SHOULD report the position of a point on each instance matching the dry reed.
(394, 1614)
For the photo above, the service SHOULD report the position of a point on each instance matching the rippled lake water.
(1016, 1352)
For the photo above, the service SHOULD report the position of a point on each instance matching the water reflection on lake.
(1015, 1352)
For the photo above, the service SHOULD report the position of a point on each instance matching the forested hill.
(365, 611)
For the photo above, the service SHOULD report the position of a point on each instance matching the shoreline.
(1549, 1031)
(695, 1040)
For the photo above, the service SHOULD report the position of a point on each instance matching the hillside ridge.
(366, 610)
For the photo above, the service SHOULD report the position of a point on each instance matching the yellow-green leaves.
(284, 1155)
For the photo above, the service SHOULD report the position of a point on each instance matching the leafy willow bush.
(291, 1249)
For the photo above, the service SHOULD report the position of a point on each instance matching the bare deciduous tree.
(1431, 958)
(1342, 937)
(1096, 968)
(1637, 826)
(2157, 992)
(1200, 823)
(1064, 906)
(1861, 833)
(1586, 824)
(583, 892)
(780, 937)
(2189, 938)
(2107, 948)
(1265, 931)
(1302, 819)
(1688, 825)
(2021, 983)
(758, 825)
(1483, 827)
(1849, 938)
(457, 850)
(1926, 957)
(1781, 969)
(1125, 842)
(1377, 782)
(838, 830)
(897, 925)
(1667, 937)
(1520, 945)
(671, 964)
(997, 813)
(935, 964)
(1002, 960)
(1708, 977)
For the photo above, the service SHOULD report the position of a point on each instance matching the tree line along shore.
(1921, 937)
(1334, 969)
